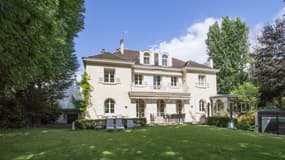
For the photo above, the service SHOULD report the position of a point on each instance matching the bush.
(246, 121)
(220, 121)
(84, 124)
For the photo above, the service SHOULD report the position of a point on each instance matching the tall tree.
(36, 52)
(229, 48)
(269, 66)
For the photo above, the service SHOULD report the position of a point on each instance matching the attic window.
(146, 58)
(164, 60)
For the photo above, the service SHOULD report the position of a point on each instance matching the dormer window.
(146, 57)
(164, 60)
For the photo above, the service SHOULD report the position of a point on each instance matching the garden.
(181, 142)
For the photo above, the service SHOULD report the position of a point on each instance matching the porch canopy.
(159, 95)
(224, 101)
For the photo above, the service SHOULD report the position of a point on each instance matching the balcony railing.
(159, 88)
(116, 81)
(202, 85)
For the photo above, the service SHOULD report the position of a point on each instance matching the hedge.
(220, 121)
(90, 124)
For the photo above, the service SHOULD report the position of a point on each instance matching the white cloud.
(190, 46)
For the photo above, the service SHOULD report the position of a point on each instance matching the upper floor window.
(146, 57)
(164, 60)
(156, 59)
(109, 106)
(156, 82)
(202, 104)
(109, 75)
(173, 81)
(138, 79)
(202, 80)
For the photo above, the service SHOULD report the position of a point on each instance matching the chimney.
(122, 46)
(210, 62)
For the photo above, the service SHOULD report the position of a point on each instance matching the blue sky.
(176, 26)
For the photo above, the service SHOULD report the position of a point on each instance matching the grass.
(171, 142)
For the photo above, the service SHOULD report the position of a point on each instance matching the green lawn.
(171, 142)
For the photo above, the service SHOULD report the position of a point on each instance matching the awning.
(159, 95)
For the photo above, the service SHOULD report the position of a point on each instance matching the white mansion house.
(130, 83)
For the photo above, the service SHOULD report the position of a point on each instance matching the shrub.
(84, 124)
(220, 121)
(246, 121)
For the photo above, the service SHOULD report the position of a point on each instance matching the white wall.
(198, 93)
(119, 91)
(101, 92)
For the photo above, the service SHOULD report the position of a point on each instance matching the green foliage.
(220, 121)
(269, 64)
(246, 121)
(247, 93)
(229, 48)
(85, 95)
(84, 124)
(36, 53)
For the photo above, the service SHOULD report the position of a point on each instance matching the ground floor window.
(202, 104)
(109, 106)
(160, 108)
(179, 107)
(140, 107)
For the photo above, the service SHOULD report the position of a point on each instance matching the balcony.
(116, 81)
(159, 88)
(202, 85)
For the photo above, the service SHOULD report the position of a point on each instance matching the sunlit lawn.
(151, 143)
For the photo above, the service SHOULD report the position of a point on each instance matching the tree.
(229, 48)
(36, 53)
(247, 93)
(269, 65)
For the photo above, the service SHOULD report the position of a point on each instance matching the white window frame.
(201, 80)
(109, 106)
(173, 81)
(164, 60)
(140, 108)
(138, 79)
(156, 82)
(146, 58)
(160, 107)
(202, 106)
(109, 75)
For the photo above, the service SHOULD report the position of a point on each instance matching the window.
(156, 59)
(109, 75)
(140, 106)
(160, 108)
(202, 104)
(146, 58)
(156, 82)
(138, 79)
(201, 80)
(179, 107)
(164, 60)
(220, 105)
(109, 106)
(173, 81)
